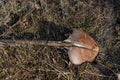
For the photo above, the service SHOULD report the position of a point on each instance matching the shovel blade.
(87, 51)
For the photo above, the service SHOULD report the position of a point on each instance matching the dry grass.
(54, 20)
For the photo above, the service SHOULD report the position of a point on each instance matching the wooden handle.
(42, 43)
(35, 42)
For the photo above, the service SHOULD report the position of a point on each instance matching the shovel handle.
(34, 42)
(41, 42)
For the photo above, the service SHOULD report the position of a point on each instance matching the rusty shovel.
(82, 47)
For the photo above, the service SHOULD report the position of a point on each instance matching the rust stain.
(79, 55)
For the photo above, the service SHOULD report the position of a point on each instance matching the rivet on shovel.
(82, 47)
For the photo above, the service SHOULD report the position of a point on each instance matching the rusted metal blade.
(88, 50)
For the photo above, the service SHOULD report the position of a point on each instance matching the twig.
(95, 74)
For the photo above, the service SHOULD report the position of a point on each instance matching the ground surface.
(54, 20)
